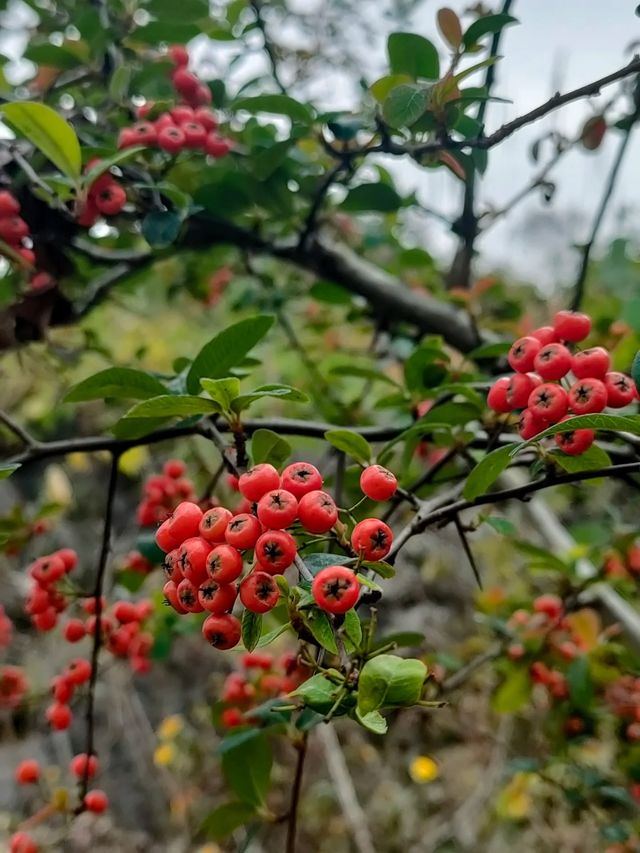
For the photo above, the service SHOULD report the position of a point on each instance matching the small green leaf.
(277, 105)
(487, 472)
(284, 392)
(374, 196)
(385, 570)
(316, 562)
(580, 683)
(222, 391)
(357, 372)
(227, 350)
(381, 88)
(47, 131)
(414, 55)
(405, 104)
(353, 627)
(53, 56)
(387, 680)
(120, 382)
(373, 722)
(514, 692)
(401, 639)
(268, 446)
(318, 693)
(136, 427)
(170, 406)
(251, 629)
(351, 443)
(593, 458)
(322, 631)
(487, 25)
(224, 820)
(7, 469)
(332, 294)
(449, 26)
(247, 769)
(105, 163)
(160, 228)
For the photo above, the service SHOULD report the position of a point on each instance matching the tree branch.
(292, 823)
(20, 432)
(256, 5)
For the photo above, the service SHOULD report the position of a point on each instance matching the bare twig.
(467, 550)
(292, 822)
(20, 432)
(256, 5)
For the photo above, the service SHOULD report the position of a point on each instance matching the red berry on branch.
(47, 570)
(171, 139)
(259, 592)
(144, 133)
(277, 509)
(519, 389)
(27, 772)
(195, 135)
(214, 523)
(231, 718)
(216, 597)
(548, 402)
(317, 512)
(522, 353)
(497, 396)
(13, 229)
(178, 54)
(553, 361)
(335, 589)
(275, 551)
(170, 592)
(9, 206)
(206, 118)
(571, 325)
(193, 559)
(83, 765)
(587, 396)
(182, 524)
(182, 114)
(545, 334)
(74, 630)
(59, 716)
(69, 557)
(222, 632)
(22, 842)
(216, 146)
(257, 481)
(576, 442)
(78, 671)
(242, 531)
(530, 425)
(111, 199)
(372, 539)
(124, 611)
(591, 363)
(378, 483)
(185, 82)
(47, 620)
(621, 390)
(550, 605)
(188, 596)
(300, 478)
(62, 689)
(224, 564)
(96, 801)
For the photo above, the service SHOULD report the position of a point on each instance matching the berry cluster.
(15, 232)
(206, 551)
(623, 563)
(45, 600)
(105, 197)
(263, 677)
(163, 492)
(554, 381)
(189, 125)
(623, 697)
(134, 561)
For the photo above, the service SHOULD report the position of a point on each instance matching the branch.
(466, 547)
(316, 204)
(256, 5)
(20, 432)
(292, 823)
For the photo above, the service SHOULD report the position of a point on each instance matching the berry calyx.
(576, 442)
(217, 598)
(259, 592)
(300, 478)
(372, 539)
(242, 531)
(277, 509)
(214, 523)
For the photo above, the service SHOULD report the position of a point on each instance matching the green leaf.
(224, 820)
(387, 680)
(594, 457)
(374, 196)
(381, 88)
(405, 104)
(332, 294)
(354, 370)
(136, 427)
(353, 627)
(268, 446)
(318, 693)
(385, 570)
(222, 391)
(351, 443)
(227, 349)
(172, 406)
(635, 370)
(284, 392)
(487, 472)
(401, 639)
(277, 105)
(373, 722)
(487, 25)
(160, 228)
(610, 423)
(105, 163)
(251, 629)
(414, 55)
(53, 56)
(247, 769)
(542, 557)
(321, 628)
(48, 132)
(580, 683)
(317, 562)
(7, 469)
(490, 351)
(120, 382)
(514, 692)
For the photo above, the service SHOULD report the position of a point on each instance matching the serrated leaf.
(251, 629)
(247, 769)
(277, 105)
(487, 25)
(120, 382)
(351, 443)
(268, 446)
(404, 105)
(222, 391)
(227, 350)
(487, 472)
(172, 406)
(224, 820)
(284, 392)
(373, 196)
(48, 132)
(412, 54)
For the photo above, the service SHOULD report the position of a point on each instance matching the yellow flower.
(170, 727)
(423, 769)
(164, 754)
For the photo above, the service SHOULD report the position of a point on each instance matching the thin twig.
(20, 432)
(303, 571)
(467, 550)
(316, 205)
(292, 822)
(462, 675)
(256, 5)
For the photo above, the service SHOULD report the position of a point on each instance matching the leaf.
(317, 562)
(53, 56)
(265, 162)
(387, 680)
(580, 683)
(542, 557)
(284, 392)
(487, 25)
(136, 427)
(381, 88)
(7, 469)
(105, 163)
(487, 472)
(251, 629)
(373, 722)
(318, 693)
(321, 628)
(227, 349)
(222, 391)
(160, 228)
(405, 104)
(268, 446)
(513, 693)
(379, 567)
(276, 104)
(120, 382)
(374, 196)
(351, 443)
(358, 372)
(353, 627)
(593, 458)
(610, 423)
(48, 132)
(449, 26)
(224, 820)
(171, 406)
(247, 769)
(586, 626)
(414, 55)
(333, 294)
(635, 370)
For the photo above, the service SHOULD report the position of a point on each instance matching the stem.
(292, 823)
(25, 437)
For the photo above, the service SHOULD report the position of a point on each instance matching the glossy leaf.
(449, 26)
(170, 406)
(602, 421)
(247, 770)
(387, 680)
(487, 472)
(487, 25)
(351, 443)
(283, 392)
(48, 132)
(224, 820)
(268, 446)
(277, 105)
(222, 391)
(251, 629)
(405, 104)
(414, 55)
(7, 469)
(120, 382)
(514, 692)
(378, 197)
(160, 228)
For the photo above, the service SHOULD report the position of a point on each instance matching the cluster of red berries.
(105, 197)
(45, 600)
(15, 232)
(554, 382)
(163, 492)
(134, 561)
(6, 629)
(13, 686)
(189, 125)
(206, 551)
(263, 677)
(623, 564)
(623, 697)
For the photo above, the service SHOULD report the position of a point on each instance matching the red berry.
(256, 660)
(59, 716)
(27, 772)
(216, 146)
(277, 509)
(171, 139)
(127, 138)
(497, 396)
(545, 334)
(41, 281)
(193, 559)
(242, 531)
(576, 442)
(202, 96)
(540, 672)
(530, 425)
(275, 551)
(90, 605)
(9, 206)
(69, 557)
(257, 481)
(22, 842)
(111, 200)
(96, 801)
(224, 564)
(317, 512)
(78, 671)
(571, 325)
(178, 54)
(259, 592)
(62, 689)
(144, 133)
(194, 134)
(163, 120)
(372, 538)
(125, 611)
(378, 483)
(620, 389)
(587, 396)
(47, 570)
(174, 468)
(170, 591)
(522, 353)
(182, 524)
(144, 609)
(13, 229)
(74, 630)
(300, 478)
(214, 523)
(188, 596)
(520, 387)
(185, 82)
(106, 625)
(591, 363)
(222, 632)
(550, 605)
(142, 112)
(217, 598)
(335, 589)
(182, 114)
(83, 764)
(231, 718)
(47, 620)
(553, 361)
(206, 118)
(548, 402)
(38, 600)
(28, 255)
